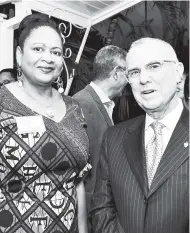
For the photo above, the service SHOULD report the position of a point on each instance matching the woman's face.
(42, 57)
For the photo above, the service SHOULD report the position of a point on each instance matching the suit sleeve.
(103, 214)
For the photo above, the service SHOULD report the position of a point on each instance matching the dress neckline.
(29, 111)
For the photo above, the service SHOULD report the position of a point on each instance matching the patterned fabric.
(39, 171)
(154, 151)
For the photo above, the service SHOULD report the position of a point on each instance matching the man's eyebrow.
(135, 68)
(152, 62)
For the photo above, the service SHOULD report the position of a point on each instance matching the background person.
(109, 80)
(142, 177)
(186, 92)
(7, 76)
(44, 146)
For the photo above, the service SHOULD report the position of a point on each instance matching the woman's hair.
(31, 22)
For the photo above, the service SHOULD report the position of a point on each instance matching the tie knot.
(157, 127)
(109, 104)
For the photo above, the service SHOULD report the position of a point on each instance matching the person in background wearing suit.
(186, 92)
(109, 80)
(142, 175)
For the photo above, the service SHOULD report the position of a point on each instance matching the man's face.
(5, 78)
(153, 77)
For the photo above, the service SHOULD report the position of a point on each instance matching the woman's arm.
(82, 213)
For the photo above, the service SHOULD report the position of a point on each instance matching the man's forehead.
(146, 53)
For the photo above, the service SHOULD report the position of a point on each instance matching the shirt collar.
(170, 120)
(103, 97)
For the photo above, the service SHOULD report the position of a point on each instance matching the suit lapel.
(99, 104)
(134, 148)
(175, 154)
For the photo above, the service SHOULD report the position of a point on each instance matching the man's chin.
(150, 108)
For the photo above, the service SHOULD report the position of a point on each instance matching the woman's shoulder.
(8, 93)
(70, 100)
(73, 106)
(4, 92)
(8, 89)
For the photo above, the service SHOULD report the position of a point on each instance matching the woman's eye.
(57, 53)
(38, 49)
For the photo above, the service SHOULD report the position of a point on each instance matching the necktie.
(109, 104)
(109, 108)
(154, 151)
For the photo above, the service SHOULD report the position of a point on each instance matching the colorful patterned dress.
(39, 171)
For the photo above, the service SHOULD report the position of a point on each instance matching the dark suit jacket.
(98, 121)
(122, 195)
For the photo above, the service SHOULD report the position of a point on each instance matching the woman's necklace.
(49, 108)
(50, 112)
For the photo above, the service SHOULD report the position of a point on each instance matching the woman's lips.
(46, 69)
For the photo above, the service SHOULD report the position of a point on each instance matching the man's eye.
(154, 66)
(38, 49)
(134, 72)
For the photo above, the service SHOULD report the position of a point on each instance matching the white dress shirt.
(169, 122)
(104, 98)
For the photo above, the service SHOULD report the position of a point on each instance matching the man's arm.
(103, 214)
(82, 215)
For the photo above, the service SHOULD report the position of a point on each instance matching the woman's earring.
(19, 74)
(20, 84)
(60, 85)
(19, 71)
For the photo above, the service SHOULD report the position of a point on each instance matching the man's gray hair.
(106, 60)
(148, 40)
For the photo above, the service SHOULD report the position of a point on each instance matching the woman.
(44, 146)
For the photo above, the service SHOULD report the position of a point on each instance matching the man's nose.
(144, 76)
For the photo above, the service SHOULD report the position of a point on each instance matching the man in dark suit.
(109, 80)
(142, 175)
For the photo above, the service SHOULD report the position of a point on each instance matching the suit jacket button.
(145, 200)
(85, 126)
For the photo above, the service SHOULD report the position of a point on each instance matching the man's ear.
(18, 55)
(179, 72)
(114, 74)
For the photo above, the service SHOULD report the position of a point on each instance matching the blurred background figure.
(7, 76)
(186, 92)
(180, 87)
(183, 89)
